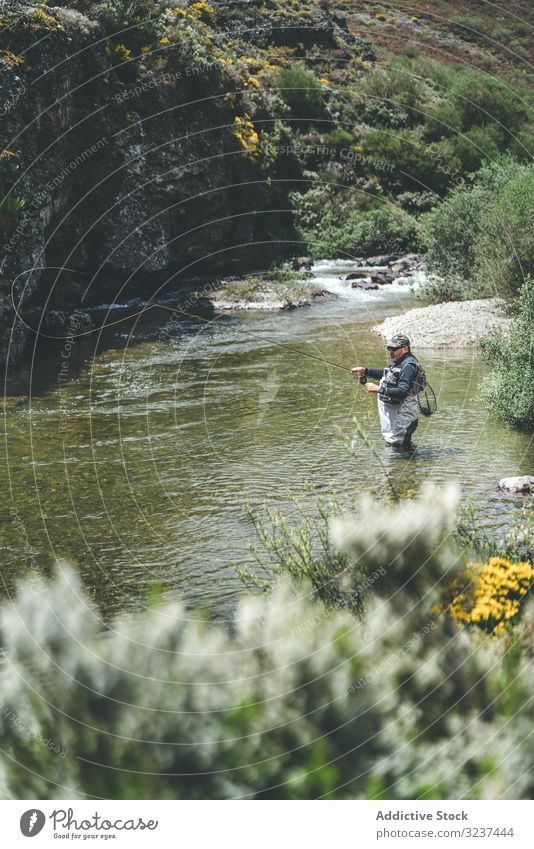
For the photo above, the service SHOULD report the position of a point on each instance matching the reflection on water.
(138, 465)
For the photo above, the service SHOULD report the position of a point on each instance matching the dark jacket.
(400, 376)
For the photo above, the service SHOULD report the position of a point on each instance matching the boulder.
(302, 262)
(384, 259)
(357, 275)
(382, 278)
(522, 483)
(399, 266)
(404, 263)
(363, 284)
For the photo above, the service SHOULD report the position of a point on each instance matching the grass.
(281, 284)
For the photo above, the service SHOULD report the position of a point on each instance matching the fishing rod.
(157, 305)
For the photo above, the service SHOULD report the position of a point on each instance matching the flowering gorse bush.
(490, 595)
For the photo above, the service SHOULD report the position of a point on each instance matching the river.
(135, 460)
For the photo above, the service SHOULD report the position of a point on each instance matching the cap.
(398, 341)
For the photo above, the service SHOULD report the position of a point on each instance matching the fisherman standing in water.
(398, 389)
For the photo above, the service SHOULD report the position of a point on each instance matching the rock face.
(105, 183)
(123, 159)
(523, 483)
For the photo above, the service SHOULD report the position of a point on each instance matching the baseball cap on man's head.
(398, 341)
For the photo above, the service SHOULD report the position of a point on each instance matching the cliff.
(159, 144)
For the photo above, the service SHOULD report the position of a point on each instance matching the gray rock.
(383, 278)
(522, 483)
(302, 262)
(398, 267)
(384, 259)
(405, 263)
(357, 275)
(363, 284)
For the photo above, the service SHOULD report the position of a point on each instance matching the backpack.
(429, 404)
(420, 382)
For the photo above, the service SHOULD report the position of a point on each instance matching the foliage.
(304, 552)
(482, 99)
(508, 389)
(505, 247)
(328, 230)
(301, 91)
(481, 233)
(449, 233)
(12, 59)
(163, 706)
(489, 595)
(245, 133)
(295, 700)
(410, 541)
(414, 163)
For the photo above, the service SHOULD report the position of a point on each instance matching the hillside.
(167, 143)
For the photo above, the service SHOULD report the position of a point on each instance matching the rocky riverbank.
(456, 324)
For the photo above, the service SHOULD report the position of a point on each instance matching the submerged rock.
(522, 483)
(383, 278)
(357, 275)
(363, 284)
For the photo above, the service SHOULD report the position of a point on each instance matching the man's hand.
(358, 371)
(371, 387)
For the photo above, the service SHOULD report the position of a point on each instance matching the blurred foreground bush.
(295, 699)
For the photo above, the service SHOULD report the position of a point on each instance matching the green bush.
(505, 245)
(522, 147)
(444, 120)
(302, 92)
(483, 233)
(477, 26)
(509, 387)
(352, 232)
(412, 163)
(476, 145)
(482, 99)
(440, 289)
(449, 233)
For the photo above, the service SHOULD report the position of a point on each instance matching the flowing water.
(134, 457)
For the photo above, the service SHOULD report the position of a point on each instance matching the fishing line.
(157, 305)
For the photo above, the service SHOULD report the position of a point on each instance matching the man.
(397, 391)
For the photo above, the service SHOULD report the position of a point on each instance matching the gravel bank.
(456, 324)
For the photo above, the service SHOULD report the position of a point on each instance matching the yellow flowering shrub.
(43, 18)
(123, 51)
(247, 137)
(201, 9)
(11, 58)
(252, 82)
(489, 595)
(196, 11)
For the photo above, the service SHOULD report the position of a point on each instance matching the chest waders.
(398, 420)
